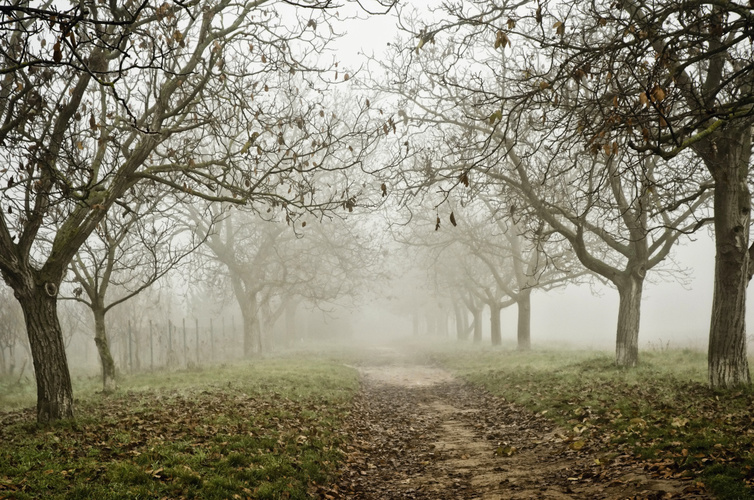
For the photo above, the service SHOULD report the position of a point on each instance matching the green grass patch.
(264, 429)
(661, 412)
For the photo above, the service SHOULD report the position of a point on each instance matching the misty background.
(203, 324)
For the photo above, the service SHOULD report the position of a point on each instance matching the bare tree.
(640, 83)
(101, 98)
(501, 122)
(454, 273)
(126, 254)
(534, 259)
(487, 286)
(272, 266)
(332, 260)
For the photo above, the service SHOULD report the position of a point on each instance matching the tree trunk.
(629, 309)
(11, 359)
(248, 335)
(477, 313)
(465, 321)
(495, 332)
(415, 323)
(524, 319)
(459, 313)
(54, 391)
(727, 362)
(103, 348)
(252, 333)
(247, 302)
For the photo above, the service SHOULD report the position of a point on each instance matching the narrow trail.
(416, 432)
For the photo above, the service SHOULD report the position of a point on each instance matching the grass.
(262, 430)
(270, 429)
(660, 412)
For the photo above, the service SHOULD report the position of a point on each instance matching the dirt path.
(416, 432)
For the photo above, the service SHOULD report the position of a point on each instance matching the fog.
(332, 177)
(185, 323)
(376, 249)
(675, 309)
(674, 314)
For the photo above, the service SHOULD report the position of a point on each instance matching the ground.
(418, 432)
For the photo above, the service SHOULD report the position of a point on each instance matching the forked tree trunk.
(247, 302)
(103, 348)
(524, 319)
(54, 391)
(495, 331)
(477, 314)
(629, 313)
(727, 362)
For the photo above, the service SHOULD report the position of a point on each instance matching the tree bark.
(247, 302)
(728, 159)
(252, 332)
(495, 331)
(524, 319)
(103, 348)
(629, 314)
(54, 391)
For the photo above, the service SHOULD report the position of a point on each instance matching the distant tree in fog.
(272, 265)
(128, 252)
(519, 259)
(479, 256)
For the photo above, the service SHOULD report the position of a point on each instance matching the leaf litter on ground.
(451, 440)
(267, 431)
